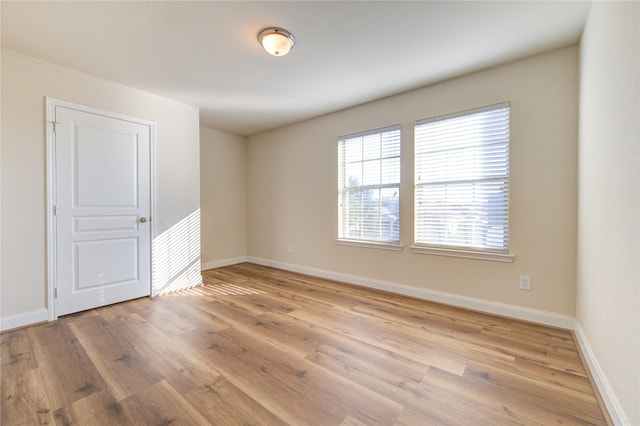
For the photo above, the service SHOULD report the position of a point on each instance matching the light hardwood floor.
(257, 345)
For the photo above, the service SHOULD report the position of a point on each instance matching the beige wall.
(25, 83)
(608, 292)
(223, 196)
(292, 184)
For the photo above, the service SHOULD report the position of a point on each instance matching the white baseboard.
(608, 396)
(223, 262)
(22, 320)
(538, 316)
(42, 315)
(503, 309)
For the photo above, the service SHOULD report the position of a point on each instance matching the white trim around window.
(461, 192)
(369, 187)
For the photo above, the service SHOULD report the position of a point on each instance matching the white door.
(102, 208)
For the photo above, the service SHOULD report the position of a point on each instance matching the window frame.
(343, 188)
(466, 251)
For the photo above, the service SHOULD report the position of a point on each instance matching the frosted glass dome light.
(276, 41)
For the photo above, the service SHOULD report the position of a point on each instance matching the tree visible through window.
(369, 186)
(462, 180)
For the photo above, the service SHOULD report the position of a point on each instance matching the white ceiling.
(206, 53)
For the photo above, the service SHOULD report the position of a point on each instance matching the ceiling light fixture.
(276, 41)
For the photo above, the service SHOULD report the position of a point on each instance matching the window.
(369, 186)
(462, 181)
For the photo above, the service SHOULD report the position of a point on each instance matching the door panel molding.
(88, 222)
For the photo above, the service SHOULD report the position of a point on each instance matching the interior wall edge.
(502, 309)
(24, 319)
(223, 262)
(611, 403)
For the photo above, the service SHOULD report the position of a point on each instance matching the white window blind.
(462, 180)
(369, 186)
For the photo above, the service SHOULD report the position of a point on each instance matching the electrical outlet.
(290, 249)
(525, 282)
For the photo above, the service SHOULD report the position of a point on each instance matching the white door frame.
(51, 104)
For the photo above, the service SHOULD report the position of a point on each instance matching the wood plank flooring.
(257, 345)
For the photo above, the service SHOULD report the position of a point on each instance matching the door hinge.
(54, 125)
(55, 210)
(55, 293)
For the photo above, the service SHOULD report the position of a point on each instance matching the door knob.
(143, 219)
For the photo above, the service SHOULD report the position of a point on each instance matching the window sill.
(467, 254)
(371, 244)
